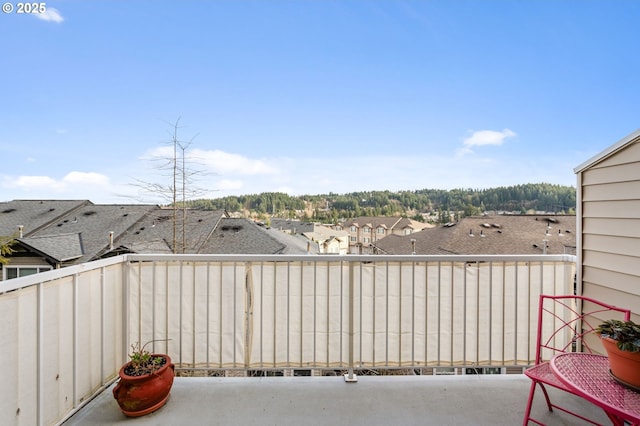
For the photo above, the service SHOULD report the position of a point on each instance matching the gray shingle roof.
(61, 248)
(490, 235)
(154, 233)
(94, 223)
(34, 214)
(79, 231)
(241, 236)
(294, 226)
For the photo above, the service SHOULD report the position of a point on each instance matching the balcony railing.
(67, 332)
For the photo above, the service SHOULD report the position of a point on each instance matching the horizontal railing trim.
(43, 277)
(350, 258)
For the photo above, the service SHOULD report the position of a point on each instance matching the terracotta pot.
(140, 395)
(625, 365)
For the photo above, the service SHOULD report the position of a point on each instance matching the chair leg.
(527, 413)
(546, 396)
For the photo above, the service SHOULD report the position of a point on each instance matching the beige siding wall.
(27, 261)
(610, 228)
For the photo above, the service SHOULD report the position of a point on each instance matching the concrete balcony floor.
(373, 400)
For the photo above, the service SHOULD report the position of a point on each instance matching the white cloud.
(33, 182)
(83, 178)
(50, 15)
(218, 162)
(483, 137)
(488, 137)
(69, 183)
(224, 163)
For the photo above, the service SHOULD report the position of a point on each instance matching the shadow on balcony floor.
(382, 400)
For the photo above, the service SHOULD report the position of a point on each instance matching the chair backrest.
(566, 324)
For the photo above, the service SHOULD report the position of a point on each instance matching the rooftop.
(500, 234)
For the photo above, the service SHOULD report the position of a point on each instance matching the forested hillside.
(419, 204)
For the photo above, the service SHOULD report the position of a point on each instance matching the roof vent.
(9, 210)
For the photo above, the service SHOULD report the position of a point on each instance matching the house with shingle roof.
(508, 234)
(319, 238)
(155, 232)
(52, 234)
(365, 231)
(328, 240)
(244, 236)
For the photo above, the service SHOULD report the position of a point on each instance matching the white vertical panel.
(113, 339)
(89, 335)
(18, 352)
(57, 347)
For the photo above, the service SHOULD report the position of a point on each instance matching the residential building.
(608, 205)
(365, 232)
(52, 234)
(323, 239)
(508, 234)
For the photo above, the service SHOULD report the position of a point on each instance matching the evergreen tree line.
(416, 204)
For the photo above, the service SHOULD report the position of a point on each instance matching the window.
(407, 231)
(338, 228)
(353, 239)
(367, 240)
(380, 230)
(23, 271)
(366, 230)
(353, 229)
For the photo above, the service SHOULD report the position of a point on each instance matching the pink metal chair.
(565, 324)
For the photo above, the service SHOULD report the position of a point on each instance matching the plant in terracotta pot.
(621, 339)
(145, 382)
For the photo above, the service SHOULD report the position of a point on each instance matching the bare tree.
(182, 173)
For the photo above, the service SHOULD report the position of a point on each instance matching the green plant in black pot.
(142, 361)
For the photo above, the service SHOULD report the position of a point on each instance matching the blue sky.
(310, 97)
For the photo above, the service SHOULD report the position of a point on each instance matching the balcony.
(337, 319)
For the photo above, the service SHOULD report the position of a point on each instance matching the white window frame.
(38, 268)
